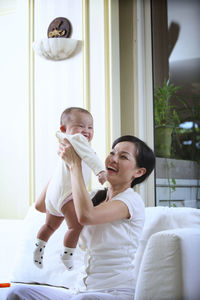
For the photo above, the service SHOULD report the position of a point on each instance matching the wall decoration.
(58, 45)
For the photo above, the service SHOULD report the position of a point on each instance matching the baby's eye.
(80, 125)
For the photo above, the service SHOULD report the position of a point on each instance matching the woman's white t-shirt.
(109, 249)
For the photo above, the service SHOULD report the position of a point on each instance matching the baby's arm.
(83, 149)
(86, 153)
(40, 202)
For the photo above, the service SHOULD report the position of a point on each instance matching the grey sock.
(38, 253)
(67, 257)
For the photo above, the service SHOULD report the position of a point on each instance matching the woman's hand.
(68, 154)
(102, 177)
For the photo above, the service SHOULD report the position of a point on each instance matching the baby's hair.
(65, 116)
(145, 158)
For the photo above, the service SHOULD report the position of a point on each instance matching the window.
(176, 65)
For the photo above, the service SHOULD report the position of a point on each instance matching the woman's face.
(121, 164)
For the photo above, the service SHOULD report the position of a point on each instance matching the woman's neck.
(115, 190)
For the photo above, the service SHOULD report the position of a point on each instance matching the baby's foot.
(38, 253)
(67, 258)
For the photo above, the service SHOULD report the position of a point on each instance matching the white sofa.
(167, 262)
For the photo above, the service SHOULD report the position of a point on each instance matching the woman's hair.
(99, 197)
(145, 158)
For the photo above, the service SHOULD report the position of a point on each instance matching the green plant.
(164, 111)
(169, 165)
(166, 121)
(186, 141)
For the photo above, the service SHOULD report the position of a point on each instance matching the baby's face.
(82, 123)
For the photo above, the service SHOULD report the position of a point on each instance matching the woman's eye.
(112, 153)
(123, 157)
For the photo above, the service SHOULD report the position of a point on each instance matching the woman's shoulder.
(128, 193)
(132, 199)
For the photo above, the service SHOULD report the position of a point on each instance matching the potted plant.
(166, 118)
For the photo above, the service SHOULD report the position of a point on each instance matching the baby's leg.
(51, 224)
(72, 235)
(74, 227)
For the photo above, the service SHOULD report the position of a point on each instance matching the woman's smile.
(111, 169)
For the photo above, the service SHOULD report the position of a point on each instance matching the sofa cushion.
(164, 218)
(9, 233)
(54, 272)
(170, 266)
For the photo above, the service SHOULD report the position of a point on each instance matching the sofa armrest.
(170, 266)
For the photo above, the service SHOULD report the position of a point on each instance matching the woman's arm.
(87, 214)
(40, 202)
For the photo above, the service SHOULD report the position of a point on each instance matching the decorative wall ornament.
(56, 48)
(58, 45)
(59, 28)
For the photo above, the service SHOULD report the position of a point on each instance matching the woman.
(112, 224)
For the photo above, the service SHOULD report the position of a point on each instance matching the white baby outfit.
(59, 187)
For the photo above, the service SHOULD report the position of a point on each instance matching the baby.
(77, 127)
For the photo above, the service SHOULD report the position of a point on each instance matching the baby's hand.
(102, 177)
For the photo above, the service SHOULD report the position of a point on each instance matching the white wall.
(55, 86)
(14, 161)
(58, 85)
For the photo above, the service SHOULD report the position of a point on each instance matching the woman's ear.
(63, 128)
(140, 172)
